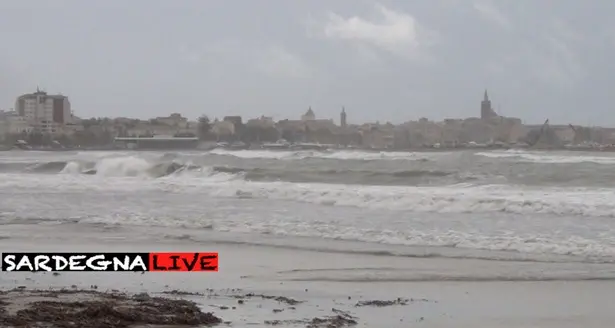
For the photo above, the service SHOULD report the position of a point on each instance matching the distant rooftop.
(40, 92)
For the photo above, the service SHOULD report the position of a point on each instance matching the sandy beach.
(509, 294)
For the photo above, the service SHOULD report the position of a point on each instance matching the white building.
(174, 119)
(45, 113)
(262, 122)
(11, 123)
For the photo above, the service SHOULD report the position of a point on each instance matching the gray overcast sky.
(390, 60)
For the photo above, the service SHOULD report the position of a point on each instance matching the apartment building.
(45, 113)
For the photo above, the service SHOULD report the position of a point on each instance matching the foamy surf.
(157, 166)
(329, 236)
(466, 198)
(462, 195)
(339, 155)
(445, 202)
(219, 182)
(549, 158)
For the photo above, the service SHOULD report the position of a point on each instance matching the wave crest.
(175, 165)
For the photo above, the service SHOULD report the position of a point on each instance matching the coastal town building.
(486, 111)
(235, 120)
(172, 125)
(223, 129)
(44, 112)
(309, 115)
(261, 122)
(174, 119)
(12, 123)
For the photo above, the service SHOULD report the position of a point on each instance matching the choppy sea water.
(493, 205)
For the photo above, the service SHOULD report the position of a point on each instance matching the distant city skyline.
(387, 61)
(486, 112)
(40, 118)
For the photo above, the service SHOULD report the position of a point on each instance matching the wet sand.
(254, 286)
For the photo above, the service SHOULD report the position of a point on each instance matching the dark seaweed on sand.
(339, 320)
(106, 311)
(281, 299)
(380, 303)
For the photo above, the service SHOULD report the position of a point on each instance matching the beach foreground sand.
(261, 286)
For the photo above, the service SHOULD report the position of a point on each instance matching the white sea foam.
(340, 155)
(460, 198)
(549, 158)
(475, 199)
(130, 166)
(405, 228)
(550, 220)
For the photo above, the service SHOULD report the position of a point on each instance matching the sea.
(501, 205)
(491, 238)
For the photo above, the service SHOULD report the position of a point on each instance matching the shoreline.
(292, 287)
(67, 307)
(544, 305)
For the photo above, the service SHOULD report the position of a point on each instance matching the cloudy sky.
(392, 60)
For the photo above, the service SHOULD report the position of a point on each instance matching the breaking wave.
(392, 201)
(339, 155)
(131, 166)
(341, 187)
(414, 190)
(462, 198)
(375, 202)
(171, 164)
(348, 176)
(548, 158)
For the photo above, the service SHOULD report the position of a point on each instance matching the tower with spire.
(343, 118)
(486, 111)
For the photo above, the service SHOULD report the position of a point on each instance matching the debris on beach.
(182, 293)
(339, 320)
(285, 322)
(281, 299)
(380, 303)
(88, 308)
